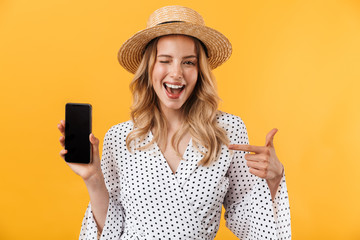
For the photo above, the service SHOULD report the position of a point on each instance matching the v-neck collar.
(183, 158)
(187, 165)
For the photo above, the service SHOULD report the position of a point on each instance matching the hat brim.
(218, 46)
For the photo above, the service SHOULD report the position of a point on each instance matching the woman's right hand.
(86, 171)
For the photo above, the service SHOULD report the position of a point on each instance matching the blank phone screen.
(77, 131)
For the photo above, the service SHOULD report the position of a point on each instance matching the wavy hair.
(199, 110)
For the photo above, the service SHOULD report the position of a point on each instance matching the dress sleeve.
(115, 214)
(250, 213)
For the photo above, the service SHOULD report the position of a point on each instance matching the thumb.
(270, 137)
(95, 145)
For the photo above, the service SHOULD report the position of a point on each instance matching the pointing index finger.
(247, 148)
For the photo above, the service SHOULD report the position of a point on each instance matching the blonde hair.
(199, 110)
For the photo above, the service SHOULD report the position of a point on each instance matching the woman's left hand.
(263, 162)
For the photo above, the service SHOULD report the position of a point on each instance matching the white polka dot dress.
(149, 201)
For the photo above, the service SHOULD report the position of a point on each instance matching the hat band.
(168, 22)
(203, 45)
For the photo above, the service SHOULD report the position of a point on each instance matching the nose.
(176, 71)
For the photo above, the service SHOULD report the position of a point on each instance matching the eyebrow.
(168, 56)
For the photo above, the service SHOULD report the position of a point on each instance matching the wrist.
(274, 182)
(94, 181)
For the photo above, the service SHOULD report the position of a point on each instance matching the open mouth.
(173, 89)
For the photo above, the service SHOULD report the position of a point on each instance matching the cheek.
(159, 72)
(192, 77)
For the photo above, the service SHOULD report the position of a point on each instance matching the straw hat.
(175, 20)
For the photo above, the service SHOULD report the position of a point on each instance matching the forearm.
(273, 186)
(99, 198)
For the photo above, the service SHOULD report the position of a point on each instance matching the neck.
(173, 118)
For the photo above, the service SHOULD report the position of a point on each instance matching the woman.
(166, 173)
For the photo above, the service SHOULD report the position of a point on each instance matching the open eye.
(189, 63)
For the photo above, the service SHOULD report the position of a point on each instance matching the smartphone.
(78, 124)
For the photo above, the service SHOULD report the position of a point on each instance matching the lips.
(173, 90)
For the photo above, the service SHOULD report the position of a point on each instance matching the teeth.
(173, 86)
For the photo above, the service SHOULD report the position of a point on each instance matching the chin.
(172, 106)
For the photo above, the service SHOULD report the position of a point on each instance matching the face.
(175, 71)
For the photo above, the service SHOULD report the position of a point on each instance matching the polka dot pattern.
(149, 201)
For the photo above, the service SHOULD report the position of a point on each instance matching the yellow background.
(295, 66)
